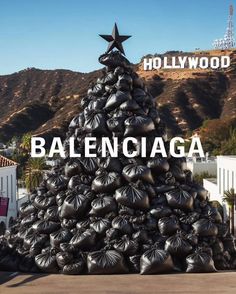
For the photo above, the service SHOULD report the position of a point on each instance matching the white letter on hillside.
(156, 62)
(173, 141)
(225, 61)
(35, 147)
(162, 150)
(193, 61)
(147, 64)
(56, 147)
(203, 62)
(199, 149)
(182, 61)
(215, 62)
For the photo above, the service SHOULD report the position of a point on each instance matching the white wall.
(212, 189)
(8, 189)
(200, 167)
(226, 179)
(226, 173)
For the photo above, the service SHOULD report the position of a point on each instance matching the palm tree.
(230, 197)
(26, 143)
(34, 172)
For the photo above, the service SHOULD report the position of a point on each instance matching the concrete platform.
(17, 283)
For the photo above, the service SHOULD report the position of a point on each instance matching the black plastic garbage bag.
(47, 262)
(132, 197)
(204, 227)
(126, 246)
(43, 202)
(155, 261)
(179, 198)
(56, 183)
(95, 123)
(229, 244)
(45, 226)
(177, 245)
(106, 262)
(168, 225)
(106, 182)
(122, 224)
(52, 214)
(138, 125)
(103, 205)
(34, 239)
(97, 90)
(85, 240)
(29, 219)
(24, 230)
(60, 198)
(27, 208)
(158, 165)
(115, 100)
(160, 211)
(134, 263)
(116, 124)
(74, 206)
(100, 225)
(74, 268)
(77, 121)
(68, 223)
(200, 262)
(63, 258)
(60, 236)
(133, 172)
(110, 164)
(89, 165)
(72, 168)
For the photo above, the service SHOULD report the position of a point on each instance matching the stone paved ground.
(221, 282)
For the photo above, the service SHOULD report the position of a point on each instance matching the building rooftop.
(4, 162)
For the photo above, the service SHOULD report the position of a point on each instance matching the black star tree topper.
(115, 40)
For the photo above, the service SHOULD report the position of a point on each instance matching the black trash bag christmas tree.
(108, 215)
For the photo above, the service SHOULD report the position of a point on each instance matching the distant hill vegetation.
(44, 101)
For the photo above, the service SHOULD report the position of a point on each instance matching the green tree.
(25, 144)
(230, 197)
(218, 136)
(198, 178)
(228, 147)
(34, 172)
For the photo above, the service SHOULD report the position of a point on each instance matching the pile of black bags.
(109, 215)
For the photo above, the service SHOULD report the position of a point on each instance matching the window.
(11, 188)
(232, 179)
(223, 180)
(7, 188)
(1, 184)
(227, 179)
(219, 180)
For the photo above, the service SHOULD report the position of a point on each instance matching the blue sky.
(50, 34)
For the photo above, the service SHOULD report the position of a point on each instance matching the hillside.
(44, 101)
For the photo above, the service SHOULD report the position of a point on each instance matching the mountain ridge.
(44, 101)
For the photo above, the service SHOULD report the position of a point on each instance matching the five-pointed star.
(115, 40)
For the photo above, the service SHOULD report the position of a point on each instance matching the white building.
(8, 184)
(199, 167)
(225, 180)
